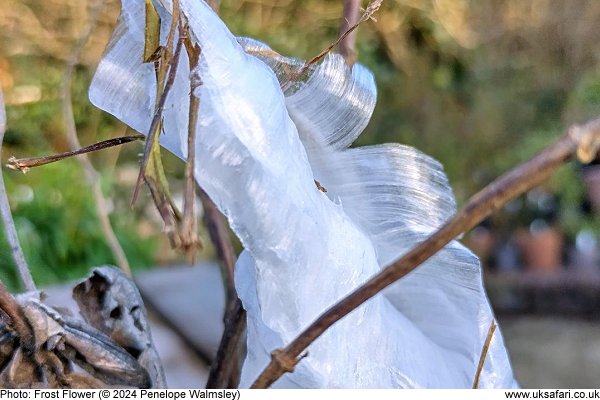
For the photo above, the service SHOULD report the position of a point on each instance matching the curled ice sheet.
(332, 105)
(400, 196)
(335, 104)
(287, 69)
(387, 185)
(259, 149)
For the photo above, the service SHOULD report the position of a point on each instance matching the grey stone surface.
(553, 352)
(191, 298)
(183, 368)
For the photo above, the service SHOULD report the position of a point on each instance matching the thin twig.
(171, 64)
(9, 224)
(17, 322)
(91, 175)
(189, 225)
(224, 371)
(484, 351)
(24, 164)
(582, 141)
(368, 14)
(347, 46)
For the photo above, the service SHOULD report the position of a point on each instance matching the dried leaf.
(19, 372)
(152, 32)
(157, 182)
(102, 358)
(58, 343)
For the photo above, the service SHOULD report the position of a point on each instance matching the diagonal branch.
(581, 141)
(24, 164)
(371, 9)
(9, 224)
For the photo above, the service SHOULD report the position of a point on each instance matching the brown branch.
(347, 46)
(224, 371)
(484, 351)
(17, 322)
(582, 141)
(368, 14)
(9, 224)
(24, 164)
(91, 175)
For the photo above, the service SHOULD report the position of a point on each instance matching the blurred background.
(479, 85)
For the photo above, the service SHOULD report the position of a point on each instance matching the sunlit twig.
(9, 223)
(484, 351)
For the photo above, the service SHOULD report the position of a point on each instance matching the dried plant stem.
(9, 224)
(582, 141)
(24, 164)
(170, 62)
(368, 14)
(484, 351)
(189, 225)
(224, 370)
(91, 175)
(347, 46)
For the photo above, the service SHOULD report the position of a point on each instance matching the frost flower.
(263, 140)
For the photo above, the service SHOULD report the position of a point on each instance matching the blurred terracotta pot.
(541, 250)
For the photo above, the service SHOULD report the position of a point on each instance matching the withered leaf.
(152, 32)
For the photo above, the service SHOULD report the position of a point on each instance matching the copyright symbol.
(104, 394)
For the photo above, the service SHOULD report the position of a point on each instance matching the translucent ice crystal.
(263, 138)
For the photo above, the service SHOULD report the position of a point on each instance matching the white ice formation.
(262, 140)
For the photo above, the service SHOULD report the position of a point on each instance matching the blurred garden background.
(479, 85)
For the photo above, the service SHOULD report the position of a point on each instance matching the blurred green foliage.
(58, 228)
(480, 85)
